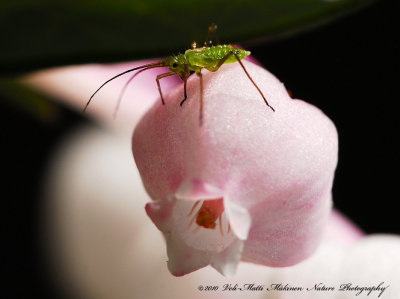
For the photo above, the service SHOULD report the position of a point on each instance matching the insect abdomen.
(209, 57)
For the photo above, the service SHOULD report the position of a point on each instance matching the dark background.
(347, 68)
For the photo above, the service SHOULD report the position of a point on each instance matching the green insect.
(192, 61)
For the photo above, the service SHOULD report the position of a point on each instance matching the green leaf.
(44, 33)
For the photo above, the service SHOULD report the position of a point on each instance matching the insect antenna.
(124, 89)
(142, 68)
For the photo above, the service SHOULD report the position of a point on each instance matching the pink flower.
(249, 184)
(107, 248)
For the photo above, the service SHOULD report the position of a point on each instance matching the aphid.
(209, 213)
(192, 61)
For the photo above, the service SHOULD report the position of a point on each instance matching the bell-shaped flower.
(248, 183)
(107, 248)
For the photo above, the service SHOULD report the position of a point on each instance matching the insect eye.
(175, 64)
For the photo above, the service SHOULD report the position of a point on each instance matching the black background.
(347, 68)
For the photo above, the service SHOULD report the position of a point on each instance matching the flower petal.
(274, 170)
(106, 248)
(226, 262)
(240, 219)
(195, 189)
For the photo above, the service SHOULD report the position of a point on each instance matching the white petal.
(226, 261)
(239, 219)
(182, 258)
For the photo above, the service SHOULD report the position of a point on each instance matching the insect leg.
(184, 91)
(201, 97)
(222, 61)
(254, 83)
(184, 76)
(158, 83)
